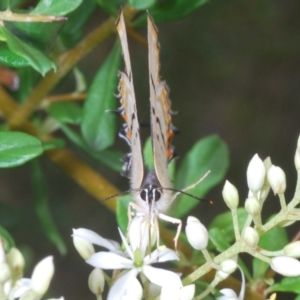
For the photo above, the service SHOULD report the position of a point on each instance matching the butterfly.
(151, 189)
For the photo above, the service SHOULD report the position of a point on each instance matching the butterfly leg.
(174, 221)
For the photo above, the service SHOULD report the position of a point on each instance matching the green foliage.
(169, 10)
(16, 148)
(33, 56)
(98, 124)
(208, 154)
(223, 222)
(42, 208)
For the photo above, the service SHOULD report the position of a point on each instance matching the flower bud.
(42, 275)
(292, 249)
(286, 266)
(16, 262)
(96, 281)
(196, 233)
(252, 206)
(230, 195)
(276, 178)
(250, 236)
(228, 266)
(255, 174)
(84, 248)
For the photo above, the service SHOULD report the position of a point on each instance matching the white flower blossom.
(136, 262)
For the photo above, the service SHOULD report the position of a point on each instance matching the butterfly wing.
(134, 165)
(160, 112)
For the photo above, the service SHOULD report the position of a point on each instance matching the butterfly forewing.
(161, 126)
(134, 161)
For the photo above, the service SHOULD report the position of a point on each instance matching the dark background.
(233, 70)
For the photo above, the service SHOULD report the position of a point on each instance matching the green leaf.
(11, 59)
(6, 239)
(169, 10)
(66, 112)
(98, 126)
(111, 6)
(288, 284)
(109, 158)
(224, 223)
(217, 237)
(210, 153)
(272, 240)
(55, 7)
(16, 148)
(121, 211)
(36, 58)
(72, 31)
(42, 208)
(141, 4)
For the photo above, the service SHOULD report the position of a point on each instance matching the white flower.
(229, 294)
(196, 233)
(256, 174)
(286, 266)
(135, 264)
(276, 178)
(230, 195)
(42, 275)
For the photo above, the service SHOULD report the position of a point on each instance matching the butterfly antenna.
(116, 195)
(187, 194)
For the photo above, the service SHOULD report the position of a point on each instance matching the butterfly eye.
(144, 194)
(156, 195)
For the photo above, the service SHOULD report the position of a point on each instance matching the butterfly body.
(150, 189)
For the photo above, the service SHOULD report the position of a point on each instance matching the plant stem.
(8, 15)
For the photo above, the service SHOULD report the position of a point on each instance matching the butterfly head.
(151, 193)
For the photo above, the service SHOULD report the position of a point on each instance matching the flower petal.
(228, 294)
(161, 277)
(109, 260)
(119, 287)
(22, 286)
(128, 249)
(96, 239)
(187, 292)
(161, 255)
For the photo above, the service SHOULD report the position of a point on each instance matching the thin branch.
(15, 17)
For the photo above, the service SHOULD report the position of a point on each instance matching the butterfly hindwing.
(134, 165)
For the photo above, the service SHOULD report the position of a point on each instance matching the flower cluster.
(13, 286)
(135, 277)
(132, 260)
